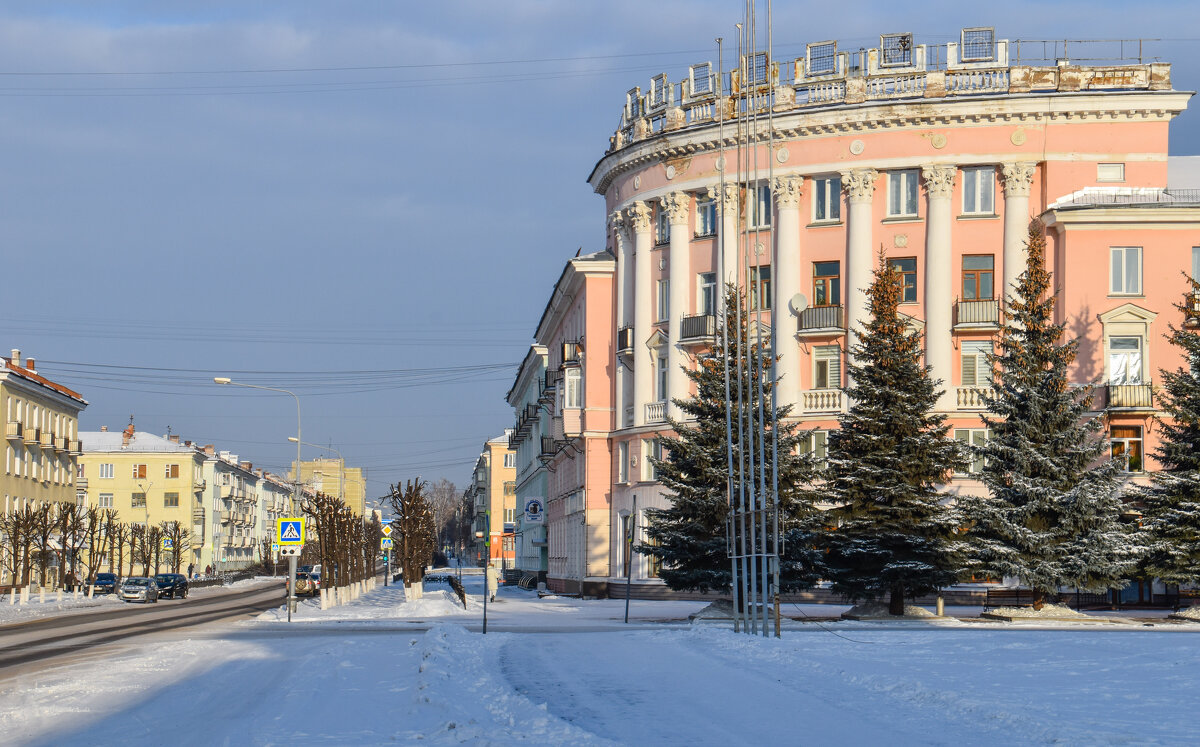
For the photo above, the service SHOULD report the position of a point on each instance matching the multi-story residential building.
(493, 491)
(331, 476)
(41, 449)
(531, 395)
(848, 154)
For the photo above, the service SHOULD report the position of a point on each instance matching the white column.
(679, 272)
(621, 243)
(939, 283)
(786, 278)
(859, 185)
(1017, 180)
(637, 216)
(727, 242)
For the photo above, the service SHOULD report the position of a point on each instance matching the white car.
(138, 589)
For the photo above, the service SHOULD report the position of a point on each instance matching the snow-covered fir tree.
(894, 535)
(1052, 516)
(689, 536)
(1171, 504)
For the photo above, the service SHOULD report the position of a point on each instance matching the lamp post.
(291, 590)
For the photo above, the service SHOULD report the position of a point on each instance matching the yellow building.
(41, 436)
(332, 477)
(494, 491)
(147, 479)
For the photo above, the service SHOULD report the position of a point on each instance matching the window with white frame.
(906, 267)
(706, 216)
(106, 500)
(975, 368)
(706, 295)
(979, 190)
(171, 472)
(651, 447)
(827, 367)
(622, 461)
(973, 439)
(660, 362)
(139, 472)
(760, 287)
(1110, 172)
(572, 387)
(1126, 270)
(1196, 263)
(105, 471)
(653, 562)
(626, 540)
(664, 301)
(902, 193)
(758, 205)
(1125, 360)
(1126, 445)
(510, 460)
(662, 226)
(816, 445)
(510, 516)
(138, 500)
(827, 199)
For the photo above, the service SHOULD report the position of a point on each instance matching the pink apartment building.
(939, 166)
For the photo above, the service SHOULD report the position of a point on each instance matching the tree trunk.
(896, 603)
(1039, 599)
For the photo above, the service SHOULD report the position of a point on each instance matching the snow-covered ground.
(363, 677)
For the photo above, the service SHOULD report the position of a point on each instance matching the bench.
(1186, 598)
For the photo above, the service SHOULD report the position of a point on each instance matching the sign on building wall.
(535, 511)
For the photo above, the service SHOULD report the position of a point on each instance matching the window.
(572, 387)
(760, 287)
(827, 198)
(827, 367)
(907, 268)
(902, 193)
(661, 368)
(1126, 270)
(758, 206)
(664, 300)
(662, 226)
(510, 487)
(707, 295)
(510, 516)
(976, 371)
(627, 541)
(80, 470)
(623, 461)
(170, 500)
(139, 472)
(1110, 172)
(978, 272)
(973, 438)
(105, 471)
(510, 460)
(701, 76)
(139, 500)
(827, 284)
(1196, 263)
(817, 445)
(653, 562)
(1125, 360)
(172, 471)
(106, 500)
(651, 447)
(1127, 447)
(979, 191)
(706, 216)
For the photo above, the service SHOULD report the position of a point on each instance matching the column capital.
(617, 223)
(726, 198)
(1018, 177)
(637, 217)
(677, 205)
(859, 184)
(939, 180)
(786, 190)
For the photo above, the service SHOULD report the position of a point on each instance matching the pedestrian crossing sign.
(290, 532)
(386, 543)
(168, 543)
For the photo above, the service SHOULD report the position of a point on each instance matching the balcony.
(76, 447)
(81, 483)
(1130, 396)
(625, 340)
(46, 439)
(548, 447)
(702, 329)
(656, 412)
(822, 320)
(226, 517)
(971, 397)
(977, 314)
(33, 436)
(198, 487)
(61, 444)
(572, 350)
(14, 431)
(823, 401)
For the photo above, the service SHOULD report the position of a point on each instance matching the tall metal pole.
(777, 316)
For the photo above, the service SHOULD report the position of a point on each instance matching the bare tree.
(93, 542)
(444, 498)
(44, 524)
(180, 541)
(17, 530)
(414, 516)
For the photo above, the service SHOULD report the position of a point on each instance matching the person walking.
(191, 569)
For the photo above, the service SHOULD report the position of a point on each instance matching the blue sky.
(378, 221)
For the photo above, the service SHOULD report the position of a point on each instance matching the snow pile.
(51, 607)
(1048, 610)
(436, 603)
(1189, 613)
(871, 610)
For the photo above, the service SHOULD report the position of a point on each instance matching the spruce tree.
(1052, 516)
(894, 535)
(689, 537)
(1171, 504)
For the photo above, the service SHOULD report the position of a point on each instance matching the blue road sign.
(385, 543)
(290, 532)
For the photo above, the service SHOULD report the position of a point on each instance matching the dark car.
(105, 583)
(173, 585)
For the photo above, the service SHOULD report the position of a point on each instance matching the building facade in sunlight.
(493, 494)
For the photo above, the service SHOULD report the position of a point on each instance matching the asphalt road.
(50, 637)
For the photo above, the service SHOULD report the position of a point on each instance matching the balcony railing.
(823, 400)
(1133, 396)
(625, 340)
(33, 435)
(702, 327)
(822, 319)
(971, 397)
(46, 440)
(984, 313)
(548, 448)
(656, 412)
(76, 446)
(60, 443)
(14, 431)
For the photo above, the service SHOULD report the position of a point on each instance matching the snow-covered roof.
(113, 441)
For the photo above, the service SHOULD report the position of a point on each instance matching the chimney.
(104, 429)
(210, 449)
(16, 356)
(31, 365)
(127, 435)
(248, 466)
(187, 443)
(173, 439)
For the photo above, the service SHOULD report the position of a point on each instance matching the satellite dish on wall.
(799, 302)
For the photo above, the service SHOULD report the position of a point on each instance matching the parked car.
(314, 572)
(105, 583)
(172, 585)
(139, 588)
(305, 584)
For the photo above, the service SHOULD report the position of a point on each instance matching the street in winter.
(675, 373)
